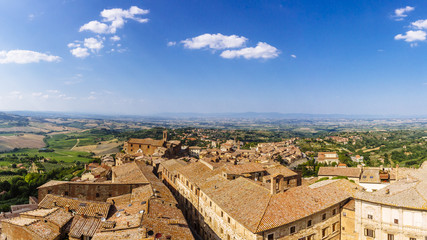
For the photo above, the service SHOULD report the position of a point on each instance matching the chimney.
(67, 208)
(387, 191)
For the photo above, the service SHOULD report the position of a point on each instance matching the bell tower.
(165, 135)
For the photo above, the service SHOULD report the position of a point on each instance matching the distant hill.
(11, 120)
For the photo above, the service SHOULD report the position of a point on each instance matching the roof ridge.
(265, 210)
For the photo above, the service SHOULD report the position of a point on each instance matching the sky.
(155, 56)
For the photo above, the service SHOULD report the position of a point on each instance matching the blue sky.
(153, 56)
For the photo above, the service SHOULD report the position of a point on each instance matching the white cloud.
(36, 94)
(93, 44)
(26, 56)
(170, 44)
(293, 56)
(96, 27)
(80, 52)
(214, 41)
(412, 36)
(401, 13)
(116, 17)
(31, 17)
(262, 50)
(115, 38)
(73, 45)
(420, 24)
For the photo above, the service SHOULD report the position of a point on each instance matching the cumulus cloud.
(293, 56)
(115, 38)
(96, 27)
(401, 13)
(26, 56)
(170, 44)
(114, 19)
(420, 24)
(412, 36)
(93, 44)
(262, 50)
(214, 41)
(80, 52)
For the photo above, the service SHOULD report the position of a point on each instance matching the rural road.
(77, 143)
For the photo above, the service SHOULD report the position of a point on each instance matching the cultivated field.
(9, 142)
(102, 148)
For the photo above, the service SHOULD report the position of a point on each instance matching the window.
(303, 238)
(311, 237)
(309, 223)
(228, 219)
(324, 216)
(222, 214)
(270, 236)
(210, 203)
(66, 193)
(369, 232)
(344, 214)
(222, 231)
(49, 191)
(334, 212)
(292, 229)
(396, 221)
(370, 216)
(412, 239)
(97, 195)
(335, 227)
(324, 232)
(390, 237)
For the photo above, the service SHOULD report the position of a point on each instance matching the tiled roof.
(336, 171)
(244, 200)
(53, 183)
(128, 173)
(146, 141)
(84, 226)
(408, 193)
(370, 176)
(239, 169)
(81, 207)
(303, 201)
(280, 170)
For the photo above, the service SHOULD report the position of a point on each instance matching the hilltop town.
(162, 189)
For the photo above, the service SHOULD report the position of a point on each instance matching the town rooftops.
(407, 193)
(36, 227)
(303, 201)
(81, 207)
(280, 170)
(240, 169)
(353, 172)
(146, 141)
(128, 173)
(370, 176)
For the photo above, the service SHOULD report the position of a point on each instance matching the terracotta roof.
(239, 169)
(303, 201)
(81, 207)
(408, 193)
(84, 226)
(52, 183)
(370, 176)
(243, 199)
(128, 173)
(146, 141)
(281, 170)
(353, 172)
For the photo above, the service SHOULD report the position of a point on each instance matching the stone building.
(396, 212)
(151, 147)
(136, 211)
(219, 207)
(327, 157)
(94, 191)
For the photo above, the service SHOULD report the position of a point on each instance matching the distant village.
(161, 189)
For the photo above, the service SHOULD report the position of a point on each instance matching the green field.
(67, 141)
